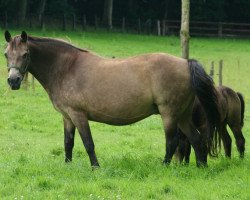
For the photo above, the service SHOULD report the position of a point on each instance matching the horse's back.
(233, 104)
(165, 77)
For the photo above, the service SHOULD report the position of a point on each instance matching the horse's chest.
(59, 102)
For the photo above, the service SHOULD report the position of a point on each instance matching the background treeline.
(201, 10)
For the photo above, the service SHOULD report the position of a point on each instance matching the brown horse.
(83, 86)
(232, 108)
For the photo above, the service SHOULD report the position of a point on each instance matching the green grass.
(31, 136)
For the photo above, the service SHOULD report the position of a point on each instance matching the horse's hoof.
(95, 167)
(166, 163)
(201, 165)
(241, 156)
(67, 160)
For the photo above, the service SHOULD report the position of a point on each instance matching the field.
(31, 135)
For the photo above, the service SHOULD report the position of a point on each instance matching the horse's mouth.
(15, 87)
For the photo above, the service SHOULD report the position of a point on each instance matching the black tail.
(242, 104)
(204, 88)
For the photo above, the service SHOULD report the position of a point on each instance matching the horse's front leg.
(69, 134)
(226, 139)
(240, 140)
(81, 122)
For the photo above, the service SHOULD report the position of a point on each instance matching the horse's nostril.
(17, 79)
(8, 80)
(14, 81)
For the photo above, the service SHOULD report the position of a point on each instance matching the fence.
(219, 72)
(140, 26)
(215, 29)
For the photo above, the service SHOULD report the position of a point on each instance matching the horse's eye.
(25, 56)
(5, 54)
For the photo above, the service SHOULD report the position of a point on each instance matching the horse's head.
(18, 58)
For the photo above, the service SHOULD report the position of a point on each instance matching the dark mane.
(54, 42)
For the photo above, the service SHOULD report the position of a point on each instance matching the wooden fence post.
(166, 27)
(184, 32)
(139, 26)
(123, 24)
(33, 83)
(84, 22)
(64, 23)
(212, 70)
(220, 29)
(25, 81)
(41, 17)
(238, 64)
(96, 22)
(148, 26)
(163, 27)
(220, 72)
(158, 27)
(73, 22)
(30, 20)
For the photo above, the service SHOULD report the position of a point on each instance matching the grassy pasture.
(31, 135)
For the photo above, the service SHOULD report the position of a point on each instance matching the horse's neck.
(46, 64)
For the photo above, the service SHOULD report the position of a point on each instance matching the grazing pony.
(83, 86)
(231, 107)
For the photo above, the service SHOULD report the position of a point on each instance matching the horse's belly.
(121, 117)
(116, 120)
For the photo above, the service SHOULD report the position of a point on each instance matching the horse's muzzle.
(14, 82)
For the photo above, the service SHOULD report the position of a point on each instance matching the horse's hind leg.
(81, 122)
(240, 140)
(187, 151)
(226, 139)
(184, 148)
(196, 141)
(180, 150)
(172, 138)
(69, 134)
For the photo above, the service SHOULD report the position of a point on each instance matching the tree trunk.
(41, 9)
(132, 9)
(107, 13)
(22, 8)
(166, 9)
(184, 33)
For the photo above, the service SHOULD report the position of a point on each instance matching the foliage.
(201, 10)
(31, 136)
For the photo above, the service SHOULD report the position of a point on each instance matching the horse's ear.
(24, 36)
(7, 36)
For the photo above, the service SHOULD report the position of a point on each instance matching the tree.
(184, 33)
(166, 9)
(107, 13)
(41, 8)
(22, 8)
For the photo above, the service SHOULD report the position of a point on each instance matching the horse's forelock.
(15, 41)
